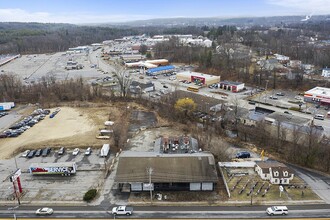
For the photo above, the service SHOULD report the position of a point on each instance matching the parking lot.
(90, 174)
(31, 68)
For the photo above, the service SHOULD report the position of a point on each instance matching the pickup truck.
(122, 210)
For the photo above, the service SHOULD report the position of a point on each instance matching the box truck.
(105, 150)
(64, 168)
(4, 106)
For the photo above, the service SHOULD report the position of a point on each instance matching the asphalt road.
(319, 183)
(187, 212)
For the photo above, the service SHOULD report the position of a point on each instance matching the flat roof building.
(231, 86)
(319, 95)
(204, 79)
(287, 120)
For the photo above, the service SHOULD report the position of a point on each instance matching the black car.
(165, 86)
(38, 153)
(45, 152)
(243, 155)
(13, 134)
(31, 154)
(252, 102)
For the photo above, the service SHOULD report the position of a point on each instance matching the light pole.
(14, 208)
(149, 171)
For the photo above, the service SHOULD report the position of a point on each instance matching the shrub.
(90, 195)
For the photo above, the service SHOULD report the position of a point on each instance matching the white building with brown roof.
(180, 172)
(275, 172)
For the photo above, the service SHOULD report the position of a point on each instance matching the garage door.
(195, 186)
(136, 186)
(207, 186)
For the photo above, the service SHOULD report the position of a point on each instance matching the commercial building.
(232, 86)
(198, 78)
(160, 70)
(287, 120)
(148, 63)
(145, 171)
(7, 59)
(318, 95)
(80, 49)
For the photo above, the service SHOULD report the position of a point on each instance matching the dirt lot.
(71, 127)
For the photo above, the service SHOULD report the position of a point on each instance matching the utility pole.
(149, 171)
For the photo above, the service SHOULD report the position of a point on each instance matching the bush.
(90, 195)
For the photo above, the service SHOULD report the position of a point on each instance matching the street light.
(14, 208)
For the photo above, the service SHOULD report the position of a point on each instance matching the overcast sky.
(101, 11)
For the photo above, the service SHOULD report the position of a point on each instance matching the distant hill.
(217, 21)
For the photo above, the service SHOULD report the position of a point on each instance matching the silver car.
(44, 211)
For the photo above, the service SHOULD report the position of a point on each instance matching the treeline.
(25, 38)
(47, 90)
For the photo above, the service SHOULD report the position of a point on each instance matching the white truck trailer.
(64, 168)
(105, 150)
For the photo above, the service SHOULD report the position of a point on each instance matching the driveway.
(320, 184)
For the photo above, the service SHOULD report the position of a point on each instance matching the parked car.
(88, 151)
(280, 94)
(45, 152)
(273, 97)
(44, 211)
(75, 152)
(319, 117)
(286, 112)
(38, 153)
(122, 210)
(243, 154)
(25, 153)
(31, 154)
(61, 151)
(3, 135)
(277, 210)
(252, 102)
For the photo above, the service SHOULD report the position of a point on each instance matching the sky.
(105, 11)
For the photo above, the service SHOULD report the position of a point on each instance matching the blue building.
(160, 70)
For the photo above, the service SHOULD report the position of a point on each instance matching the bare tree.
(124, 80)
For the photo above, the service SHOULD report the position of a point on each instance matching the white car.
(25, 153)
(277, 210)
(75, 152)
(44, 211)
(88, 151)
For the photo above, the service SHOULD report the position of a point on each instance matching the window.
(285, 173)
(276, 173)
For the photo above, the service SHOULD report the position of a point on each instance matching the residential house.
(275, 172)
(326, 72)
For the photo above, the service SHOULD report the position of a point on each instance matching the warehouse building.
(198, 78)
(318, 95)
(232, 86)
(145, 171)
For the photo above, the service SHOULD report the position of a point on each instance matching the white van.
(319, 117)
(277, 210)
